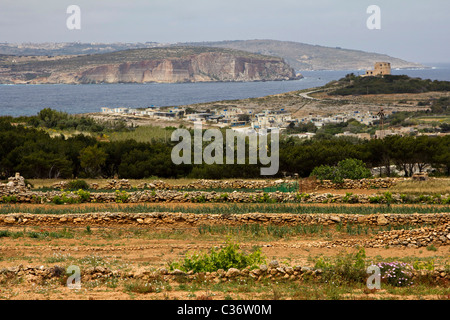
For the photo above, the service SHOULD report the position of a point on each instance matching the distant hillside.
(69, 48)
(303, 56)
(167, 65)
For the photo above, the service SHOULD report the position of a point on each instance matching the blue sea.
(25, 100)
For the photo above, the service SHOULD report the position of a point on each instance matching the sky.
(414, 30)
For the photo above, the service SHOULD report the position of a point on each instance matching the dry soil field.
(120, 260)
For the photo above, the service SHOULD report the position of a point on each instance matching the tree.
(346, 169)
(40, 164)
(353, 169)
(91, 160)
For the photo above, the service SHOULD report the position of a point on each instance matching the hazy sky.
(415, 30)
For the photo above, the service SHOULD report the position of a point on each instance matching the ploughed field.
(218, 251)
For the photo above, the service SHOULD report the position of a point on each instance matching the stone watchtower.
(380, 69)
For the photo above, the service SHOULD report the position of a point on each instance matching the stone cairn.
(14, 185)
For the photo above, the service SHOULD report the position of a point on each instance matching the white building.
(306, 135)
(120, 110)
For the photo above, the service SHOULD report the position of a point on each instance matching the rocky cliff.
(141, 67)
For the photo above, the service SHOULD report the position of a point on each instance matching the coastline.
(26, 100)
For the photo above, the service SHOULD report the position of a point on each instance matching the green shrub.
(77, 185)
(8, 199)
(265, 198)
(353, 169)
(346, 169)
(201, 199)
(63, 198)
(388, 197)
(4, 233)
(348, 268)
(325, 172)
(446, 200)
(225, 258)
(350, 198)
(422, 265)
(122, 196)
(57, 200)
(406, 198)
(376, 199)
(84, 196)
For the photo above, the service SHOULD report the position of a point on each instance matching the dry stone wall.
(416, 238)
(272, 271)
(376, 183)
(155, 219)
(203, 184)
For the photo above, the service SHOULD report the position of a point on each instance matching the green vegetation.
(53, 119)
(77, 185)
(257, 231)
(36, 154)
(42, 234)
(232, 208)
(121, 196)
(345, 169)
(441, 106)
(225, 258)
(143, 134)
(387, 84)
(344, 269)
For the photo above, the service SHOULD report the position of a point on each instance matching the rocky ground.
(123, 253)
(115, 251)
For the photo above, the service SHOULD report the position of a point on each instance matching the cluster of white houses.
(248, 121)
(233, 116)
(367, 118)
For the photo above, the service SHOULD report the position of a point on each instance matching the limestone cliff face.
(203, 67)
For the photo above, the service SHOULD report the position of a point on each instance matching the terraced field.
(139, 251)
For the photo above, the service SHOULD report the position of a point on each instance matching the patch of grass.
(259, 231)
(344, 269)
(143, 134)
(430, 186)
(58, 257)
(139, 286)
(228, 208)
(41, 234)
